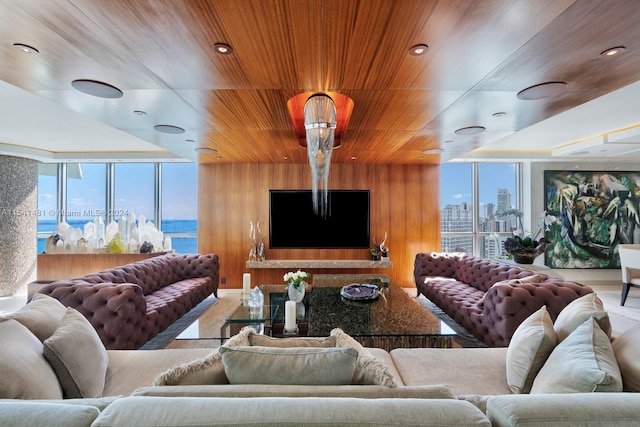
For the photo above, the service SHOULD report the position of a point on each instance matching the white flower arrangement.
(295, 278)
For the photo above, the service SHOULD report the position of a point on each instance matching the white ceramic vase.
(297, 295)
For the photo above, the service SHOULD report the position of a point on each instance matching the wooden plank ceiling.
(159, 53)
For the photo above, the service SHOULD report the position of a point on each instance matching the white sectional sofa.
(469, 386)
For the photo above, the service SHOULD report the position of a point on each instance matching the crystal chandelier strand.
(320, 124)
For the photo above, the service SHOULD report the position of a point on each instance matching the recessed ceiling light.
(499, 114)
(190, 141)
(206, 150)
(542, 90)
(470, 130)
(419, 49)
(139, 113)
(96, 88)
(433, 151)
(580, 153)
(25, 48)
(612, 51)
(168, 129)
(222, 49)
(448, 141)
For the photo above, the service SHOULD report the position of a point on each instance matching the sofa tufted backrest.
(157, 272)
(482, 273)
(438, 264)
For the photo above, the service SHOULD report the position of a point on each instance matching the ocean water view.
(175, 228)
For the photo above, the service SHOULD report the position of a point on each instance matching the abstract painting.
(594, 213)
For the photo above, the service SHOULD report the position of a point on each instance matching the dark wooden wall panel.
(404, 202)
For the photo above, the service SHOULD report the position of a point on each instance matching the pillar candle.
(246, 284)
(290, 316)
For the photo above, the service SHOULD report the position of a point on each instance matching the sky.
(133, 191)
(456, 182)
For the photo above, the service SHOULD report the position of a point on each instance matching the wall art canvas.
(594, 213)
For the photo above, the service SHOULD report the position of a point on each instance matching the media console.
(320, 263)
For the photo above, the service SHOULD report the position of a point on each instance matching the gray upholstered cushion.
(289, 365)
(577, 312)
(627, 350)
(530, 346)
(41, 315)
(271, 390)
(77, 356)
(583, 363)
(24, 372)
(282, 411)
(567, 410)
(37, 413)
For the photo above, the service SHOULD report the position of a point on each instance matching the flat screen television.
(294, 225)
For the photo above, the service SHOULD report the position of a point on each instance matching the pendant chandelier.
(320, 126)
(320, 121)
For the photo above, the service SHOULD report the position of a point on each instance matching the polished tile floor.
(622, 317)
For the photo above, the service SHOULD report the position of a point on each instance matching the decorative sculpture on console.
(256, 252)
(380, 249)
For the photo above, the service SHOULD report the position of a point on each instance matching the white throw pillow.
(77, 356)
(583, 363)
(627, 350)
(530, 346)
(24, 372)
(577, 312)
(41, 315)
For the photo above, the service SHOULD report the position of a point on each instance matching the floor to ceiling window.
(179, 209)
(77, 193)
(47, 199)
(134, 190)
(86, 189)
(478, 204)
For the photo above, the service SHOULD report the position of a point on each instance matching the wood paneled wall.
(404, 202)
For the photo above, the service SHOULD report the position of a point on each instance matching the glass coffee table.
(393, 320)
(245, 315)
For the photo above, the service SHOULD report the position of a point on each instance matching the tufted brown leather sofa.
(455, 282)
(131, 304)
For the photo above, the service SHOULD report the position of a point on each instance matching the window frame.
(475, 234)
(61, 198)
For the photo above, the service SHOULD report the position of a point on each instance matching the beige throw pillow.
(24, 372)
(534, 278)
(627, 350)
(77, 356)
(583, 363)
(207, 370)
(530, 346)
(577, 312)
(369, 370)
(41, 315)
(289, 365)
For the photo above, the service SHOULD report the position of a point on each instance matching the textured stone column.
(18, 224)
